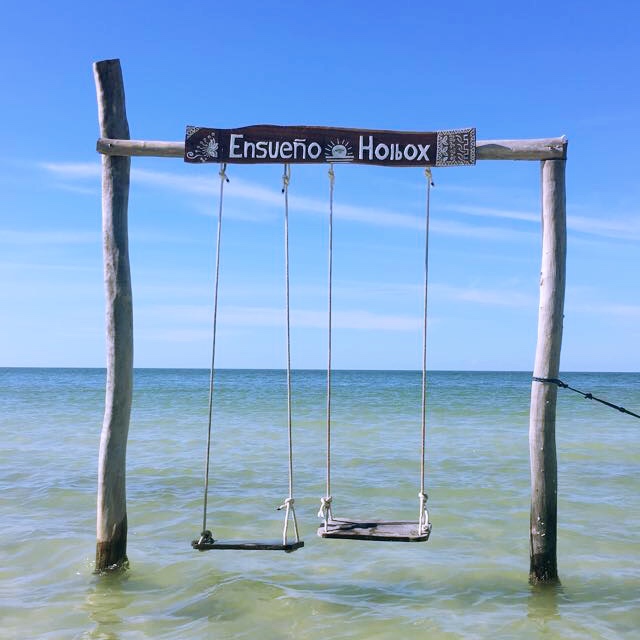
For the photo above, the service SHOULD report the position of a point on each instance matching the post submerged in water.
(543, 568)
(111, 526)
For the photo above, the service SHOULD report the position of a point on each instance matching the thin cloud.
(73, 170)
(490, 297)
(491, 212)
(621, 228)
(625, 311)
(236, 316)
(13, 237)
(626, 228)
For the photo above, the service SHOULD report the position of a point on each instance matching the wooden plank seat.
(216, 545)
(389, 531)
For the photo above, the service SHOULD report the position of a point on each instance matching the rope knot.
(223, 172)
(206, 537)
(424, 526)
(429, 176)
(286, 177)
(325, 507)
(286, 504)
(332, 175)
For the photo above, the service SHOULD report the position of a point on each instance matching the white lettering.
(423, 152)
(382, 151)
(298, 144)
(261, 149)
(410, 149)
(233, 145)
(363, 148)
(285, 150)
(314, 150)
(274, 147)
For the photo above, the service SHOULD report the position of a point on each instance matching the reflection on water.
(106, 602)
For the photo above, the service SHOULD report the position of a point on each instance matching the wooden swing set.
(315, 145)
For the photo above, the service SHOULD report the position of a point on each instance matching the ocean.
(470, 580)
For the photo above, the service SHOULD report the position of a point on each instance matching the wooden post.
(111, 529)
(542, 421)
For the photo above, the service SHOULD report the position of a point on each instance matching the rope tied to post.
(585, 395)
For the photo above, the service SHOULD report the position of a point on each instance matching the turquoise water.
(468, 581)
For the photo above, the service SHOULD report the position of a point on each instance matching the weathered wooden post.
(542, 422)
(111, 545)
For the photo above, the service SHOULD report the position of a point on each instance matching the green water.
(468, 581)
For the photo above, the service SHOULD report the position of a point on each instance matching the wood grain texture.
(384, 531)
(111, 526)
(542, 421)
(246, 546)
(534, 149)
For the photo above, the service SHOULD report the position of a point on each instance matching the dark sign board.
(312, 145)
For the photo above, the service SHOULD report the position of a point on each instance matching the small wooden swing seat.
(215, 545)
(383, 531)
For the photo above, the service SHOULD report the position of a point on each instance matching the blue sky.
(512, 70)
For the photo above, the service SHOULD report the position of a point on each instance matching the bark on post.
(111, 545)
(542, 421)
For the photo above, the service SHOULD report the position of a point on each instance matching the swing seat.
(384, 531)
(215, 545)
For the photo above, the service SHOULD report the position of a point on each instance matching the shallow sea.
(468, 581)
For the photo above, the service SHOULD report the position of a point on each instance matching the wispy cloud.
(491, 212)
(491, 297)
(623, 311)
(250, 316)
(13, 237)
(73, 170)
(626, 227)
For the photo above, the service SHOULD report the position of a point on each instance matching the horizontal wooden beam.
(534, 149)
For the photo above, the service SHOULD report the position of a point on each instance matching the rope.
(288, 503)
(206, 535)
(325, 502)
(424, 526)
(587, 396)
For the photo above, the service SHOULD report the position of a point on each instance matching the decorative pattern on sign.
(206, 150)
(191, 131)
(456, 147)
(267, 143)
(339, 151)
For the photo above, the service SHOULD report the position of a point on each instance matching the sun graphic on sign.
(338, 151)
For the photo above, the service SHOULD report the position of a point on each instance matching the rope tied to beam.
(289, 501)
(206, 535)
(585, 395)
(424, 526)
(325, 502)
